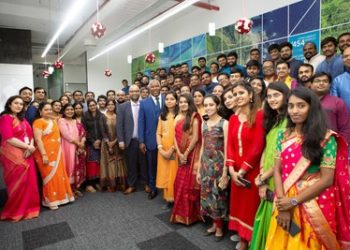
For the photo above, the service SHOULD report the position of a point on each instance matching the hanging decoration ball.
(108, 72)
(150, 58)
(58, 64)
(45, 74)
(243, 25)
(98, 30)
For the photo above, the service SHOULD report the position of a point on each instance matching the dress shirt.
(341, 87)
(159, 100)
(135, 107)
(334, 66)
(315, 60)
(338, 115)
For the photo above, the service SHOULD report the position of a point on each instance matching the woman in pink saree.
(72, 145)
(18, 163)
(311, 177)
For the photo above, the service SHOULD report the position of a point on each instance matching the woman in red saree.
(18, 164)
(186, 208)
(245, 144)
(311, 181)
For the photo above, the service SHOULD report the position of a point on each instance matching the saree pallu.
(323, 220)
(264, 212)
(20, 177)
(80, 161)
(56, 186)
(186, 208)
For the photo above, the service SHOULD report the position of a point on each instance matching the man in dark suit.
(148, 120)
(127, 135)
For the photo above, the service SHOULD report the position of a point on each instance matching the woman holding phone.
(246, 142)
(311, 178)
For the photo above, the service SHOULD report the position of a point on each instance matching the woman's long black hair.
(272, 117)
(314, 128)
(7, 109)
(191, 110)
(165, 110)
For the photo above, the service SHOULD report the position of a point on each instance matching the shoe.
(235, 237)
(208, 233)
(166, 206)
(78, 193)
(129, 190)
(147, 189)
(238, 246)
(219, 237)
(53, 207)
(98, 187)
(152, 195)
(90, 189)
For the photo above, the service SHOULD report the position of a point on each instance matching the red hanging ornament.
(108, 72)
(150, 58)
(98, 30)
(58, 64)
(243, 25)
(45, 74)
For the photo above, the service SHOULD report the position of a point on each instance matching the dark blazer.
(125, 123)
(148, 121)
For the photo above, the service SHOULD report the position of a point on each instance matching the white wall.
(191, 22)
(12, 78)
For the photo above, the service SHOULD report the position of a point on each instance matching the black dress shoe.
(152, 195)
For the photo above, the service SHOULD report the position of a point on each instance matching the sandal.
(90, 189)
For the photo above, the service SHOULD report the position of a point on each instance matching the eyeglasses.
(321, 81)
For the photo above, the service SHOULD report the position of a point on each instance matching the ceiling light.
(161, 47)
(153, 22)
(211, 28)
(129, 59)
(73, 11)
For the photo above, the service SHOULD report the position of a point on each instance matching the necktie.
(158, 103)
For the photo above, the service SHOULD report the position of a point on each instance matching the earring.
(251, 100)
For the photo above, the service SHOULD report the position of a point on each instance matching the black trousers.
(137, 165)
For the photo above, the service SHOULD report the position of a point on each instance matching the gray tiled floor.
(110, 221)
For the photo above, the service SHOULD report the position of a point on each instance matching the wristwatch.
(294, 202)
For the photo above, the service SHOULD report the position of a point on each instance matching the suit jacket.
(148, 121)
(125, 123)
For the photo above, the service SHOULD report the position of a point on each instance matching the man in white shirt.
(311, 56)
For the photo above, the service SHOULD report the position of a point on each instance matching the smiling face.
(64, 100)
(298, 110)
(218, 89)
(92, 107)
(282, 70)
(329, 49)
(56, 107)
(242, 96)
(183, 104)
(198, 98)
(170, 101)
(309, 50)
(16, 106)
(110, 106)
(46, 111)
(78, 110)
(26, 95)
(229, 101)
(274, 99)
(320, 85)
(69, 112)
(210, 107)
(257, 86)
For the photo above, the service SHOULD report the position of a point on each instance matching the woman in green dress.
(275, 112)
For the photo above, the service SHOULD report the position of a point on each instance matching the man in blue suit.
(150, 109)
(127, 135)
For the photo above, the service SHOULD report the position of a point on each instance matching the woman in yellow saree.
(311, 181)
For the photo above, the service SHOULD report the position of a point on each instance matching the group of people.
(263, 148)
